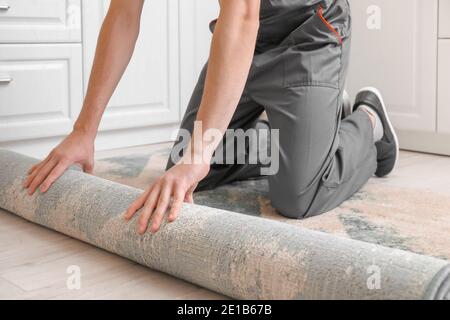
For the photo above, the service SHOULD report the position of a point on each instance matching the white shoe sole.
(347, 107)
(391, 127)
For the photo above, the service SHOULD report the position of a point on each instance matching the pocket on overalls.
(313, 54)
(332, 177)
(329, 26)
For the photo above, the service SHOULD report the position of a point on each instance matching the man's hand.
(115, 46)
(232, 50)
(77, 148)
(171, 190)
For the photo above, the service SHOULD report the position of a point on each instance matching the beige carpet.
(415, 218)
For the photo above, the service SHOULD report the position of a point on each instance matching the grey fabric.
(278, 19)
(236, 255)
(297, 77)
(347, 106)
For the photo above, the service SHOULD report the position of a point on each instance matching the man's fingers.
(34, 170)
(30, 178)
(189, 198)
(57, 171)
(88, 167)
(163, 204)
(41, 163)
(41, 175)
(147, 211)
(33, 173)
(177, 202)
(33, 167)
(137, 204)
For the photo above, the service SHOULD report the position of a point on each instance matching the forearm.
(232, 51)
(115, 47)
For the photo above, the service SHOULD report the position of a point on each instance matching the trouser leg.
(323, 160)
(245, 117)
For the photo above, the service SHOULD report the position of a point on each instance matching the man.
(288, 58)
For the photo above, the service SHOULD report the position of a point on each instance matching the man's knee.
(292, 205)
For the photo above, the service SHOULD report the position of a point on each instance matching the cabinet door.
(444, 87)
(444, 19)
(40, 90)
(395, 50)
(148, 94)
(40, 21)
(195, 42)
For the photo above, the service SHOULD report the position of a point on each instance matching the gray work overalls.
(297, 76)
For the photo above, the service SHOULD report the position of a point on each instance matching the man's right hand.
(77, 148)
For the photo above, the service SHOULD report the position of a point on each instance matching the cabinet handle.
(5, 80)
(4, 7)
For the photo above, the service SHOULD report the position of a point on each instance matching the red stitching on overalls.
(320, 13)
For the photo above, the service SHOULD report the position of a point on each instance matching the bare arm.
(231, 54)
(232, 50)
(115, 47)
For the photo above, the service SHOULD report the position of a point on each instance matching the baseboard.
(107, 140)
(39, 148)
(428, 142)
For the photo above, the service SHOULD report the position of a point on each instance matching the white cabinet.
(401, 48)
(46, 53)
(195, 42)
(394, 48)
(444, 18)
(41, 72)
(40, 90)
(444, 87)
(40, 21)
(444, 71)
(148, 94)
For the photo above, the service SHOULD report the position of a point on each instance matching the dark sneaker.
(347, 108)
(388, 146)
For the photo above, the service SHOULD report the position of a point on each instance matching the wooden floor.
(34, 260)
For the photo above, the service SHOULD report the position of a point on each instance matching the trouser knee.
(292, 205)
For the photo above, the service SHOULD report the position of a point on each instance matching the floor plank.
(34, 262)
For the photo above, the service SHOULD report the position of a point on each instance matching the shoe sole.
(391, 127)
(347, 107)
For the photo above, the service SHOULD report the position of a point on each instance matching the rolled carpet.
(237, 255)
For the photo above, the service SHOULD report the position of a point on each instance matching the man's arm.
(232, 51)
(115, 47)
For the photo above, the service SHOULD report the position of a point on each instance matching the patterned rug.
(411, 219)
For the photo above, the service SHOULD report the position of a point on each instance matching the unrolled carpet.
(237, 255)
(387, 211)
